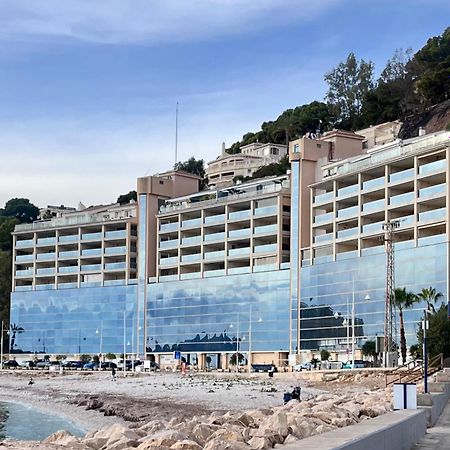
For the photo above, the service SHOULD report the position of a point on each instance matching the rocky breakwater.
(253, 429)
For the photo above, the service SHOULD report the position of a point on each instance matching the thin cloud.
(149, 21)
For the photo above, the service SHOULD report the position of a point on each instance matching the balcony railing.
(24, 258)
(323, 218)
(190, 276)
(167, 227)
(244, 251)
(219, 218)
(46, 241)
(116, 234)
(116, 266)
(322, 238)
(266, 248)
(266, 211)
(436, 215)
(173, 260)
(436, 166)
(44, 287)
(115, 250)
(219, 254)
(45, 256)
(374, 206)
(46, 271)
(349, 232)
(194, 240)
(91, 267)
(68, 269)
(239, 215)
(372, 228)
(404, 175)
(196, 257)
(373, 184)
(402, 199)
(91, 252)
(243, 233)
(67, 285)
(266, 229)
(24, 273)
(347, 191)
(23, 288)
(324, 198)
(438, 190)
(163, 278)
(91, 236)
(191, 223)
(169, 244)
(213, 237)
(348, 212)
(68, 239)
(214, 273)
(25, 243)
(68, 254)
(238, 270)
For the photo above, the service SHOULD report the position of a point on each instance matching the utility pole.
(389, 228)
(176, 134)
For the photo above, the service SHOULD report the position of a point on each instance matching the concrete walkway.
(437, 437)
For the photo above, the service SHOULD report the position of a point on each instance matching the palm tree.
(403, 300)
(430, 296)
(14, 329)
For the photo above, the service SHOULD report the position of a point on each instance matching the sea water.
(25, 423)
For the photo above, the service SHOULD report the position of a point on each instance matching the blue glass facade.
(327, 289)
(213, 315)
(73, 321)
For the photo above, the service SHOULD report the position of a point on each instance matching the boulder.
(290, 439)
(201, 432)
(166, 438)
(259, 443)
(220, 444)
(61, 438)
(96, 443)
(154, 426)
(227, 434)
(148, 445)
(186, 445)
(119, 435)
(122, 444)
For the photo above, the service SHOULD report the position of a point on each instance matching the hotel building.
(268, 268)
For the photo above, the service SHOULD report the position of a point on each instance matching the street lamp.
(250, 340)
(1, 344)
(237, 342)
(101, 339)
(425, 326)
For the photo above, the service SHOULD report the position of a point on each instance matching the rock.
(154, 426)
(186, 445)
(259, 443)
(323, 429)
(277, 423)
(342, 422)
(219, 444)
(201, 432)
(61, 437)
(119, 435)
(166, 438)
(95, 443)
(148, 445)
(228, 435)
(122, 444)
(290, 439)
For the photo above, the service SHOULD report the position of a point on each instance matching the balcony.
(239, 215)
(91, 252)
(433, 191)
(168, 227)
(115, 250)
(196, 257)
(377, 205)
(348, 191)
(327, 197)
(91, 268)
(23, 288)
(436, 166)
(375, 183)
(46, 241)
(219, 254)
(117, 234)
(25, 243)
(244, 251)
(322, 238)
(214, 237)
(46, 271)
(349, 232)
(91, 236)
(163, 278)
(373, 228)
(68, 239)
(172, 243)
(266, 248)
(190, 276)
(44, 287)
(116, 266)
(436, 215)
(194, 240)
(45, 256)
(236, 234)
(266, 211)
(346, 213)
(214, 273)
(266, 229)
(172, 261)
(24, 273)
(67, 285)
(191, 223)
(68, 254)
(402, 199)
(25, 258)
(404, 175)
(90, 284)
(238, 270)
(323, 218)
(219, 218)
(68, 269)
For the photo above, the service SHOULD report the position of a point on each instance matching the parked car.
(11, 364)
(264, 368)
(154, 366)
(28, 364)
(302, 366)
(42, 364)
(108, 365)
(359, 364)
(91, 365)
(72, 364)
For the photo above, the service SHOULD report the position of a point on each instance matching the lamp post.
(101, 339)
(124, 343)
(237, 342)
(250, 340)
(425, 326)
(1, 345)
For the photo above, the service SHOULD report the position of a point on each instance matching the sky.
(88, 88)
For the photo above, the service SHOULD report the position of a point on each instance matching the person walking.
(113, 374)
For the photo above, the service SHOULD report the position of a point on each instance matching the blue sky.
(88, 87)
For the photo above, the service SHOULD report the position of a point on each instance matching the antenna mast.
(176, 134)
(389, 228)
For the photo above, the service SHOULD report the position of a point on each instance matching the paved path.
(438, 437)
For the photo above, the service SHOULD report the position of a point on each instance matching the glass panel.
(266, 229)
(372, 184)
(239, 251)
(45, 256)
(116, 266)
(348, 212)
(373, 206)
(239, 215)
(348, 190)
(91, 236)
(191, 223)
(25, 272)
(191, 258)
(190, 276)
(168, 261)
(25, 243)
(44, 287)
(266, 211)
(168, 244)
(169, 227)
(348, 232)
(219, 218)
(115, 250)
(91, 252)
(215, 255)
(214, 237)
(71, 254)
(401, 199)
(433, 216)
(245, 232)
(117, 234)
(214, 273)
(68, 269)
(432, 191)
(46, 271)
(237, 270)
(46, 241)
(401, 176)
(70, 238)
(191, 240)
(436, 166)
(322, 218)
(372, 227)
(89, 267)
(267, 248)
(324, 198)
(24, 258)
(323, 238)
